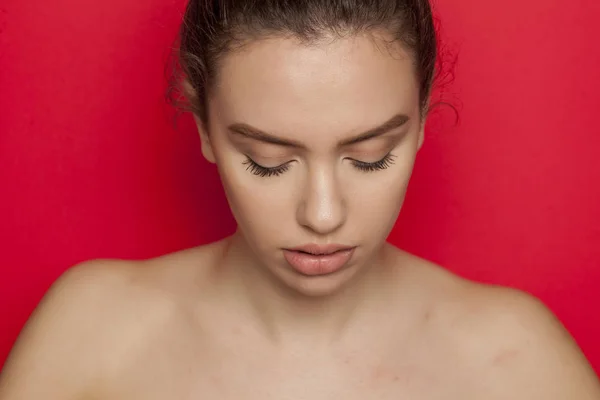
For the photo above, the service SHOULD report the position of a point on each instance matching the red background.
(91, 165)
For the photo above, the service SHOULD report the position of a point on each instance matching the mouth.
(321, 250)
(315, 260)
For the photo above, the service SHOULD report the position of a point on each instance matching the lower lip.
(315, 265)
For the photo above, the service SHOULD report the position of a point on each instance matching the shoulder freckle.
(509, 323)
(480, 322)
(505, 356)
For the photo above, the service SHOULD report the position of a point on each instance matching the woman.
(313, 112)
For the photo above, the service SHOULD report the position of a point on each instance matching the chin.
(317, 286)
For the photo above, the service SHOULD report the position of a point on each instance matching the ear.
(421, 137)
(424, 113)
(206, 145)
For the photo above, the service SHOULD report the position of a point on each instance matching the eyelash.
(384, 163)
(265, 172)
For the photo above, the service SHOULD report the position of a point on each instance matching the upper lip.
(321, 249)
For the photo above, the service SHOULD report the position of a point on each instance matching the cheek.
(260, 205)
(374, 214)
(377, 203)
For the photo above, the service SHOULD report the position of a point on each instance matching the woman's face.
(315, 145)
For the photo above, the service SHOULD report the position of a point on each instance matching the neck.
(288, 315)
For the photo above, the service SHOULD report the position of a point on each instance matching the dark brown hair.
(212, 28)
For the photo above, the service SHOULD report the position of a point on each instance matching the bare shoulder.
(525, 350)
(53, 347)
(515, 346)
(91, 320)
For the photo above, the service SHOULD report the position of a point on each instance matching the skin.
(231, 320)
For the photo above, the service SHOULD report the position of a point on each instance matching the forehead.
(342, 85)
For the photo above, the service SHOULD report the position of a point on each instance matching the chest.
(188, 372)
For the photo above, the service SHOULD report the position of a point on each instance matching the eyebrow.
(254, 133)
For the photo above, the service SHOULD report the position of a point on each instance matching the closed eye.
(264, 172)
(384, 163)
(257, 169)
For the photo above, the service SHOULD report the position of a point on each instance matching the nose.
(322, 208)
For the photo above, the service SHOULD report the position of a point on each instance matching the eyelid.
(266, 154)
(357, 155)
(382, 164)
(257, 169)
(252, 159)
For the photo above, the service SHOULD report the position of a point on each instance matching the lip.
(320, 249)
(315, 260)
